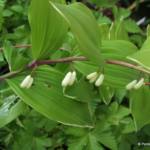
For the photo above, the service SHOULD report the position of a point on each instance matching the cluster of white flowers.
(135, 84)
(27, 82)
(69, 79)
(96, 77)
(93, 77)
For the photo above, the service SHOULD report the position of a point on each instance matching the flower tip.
(72, 78)
(66, 79)
(131, 85)
(92, 75)
(139, 84)
(27, 82)
(100, 80)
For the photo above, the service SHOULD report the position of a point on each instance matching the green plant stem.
(10, 74)
(128, 65)
(18, 46)
(72, 59)
(61, 60)
(82, 58)
(147, 83)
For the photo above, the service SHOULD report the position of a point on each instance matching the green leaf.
(93, 143)
(104, 135)
(84, 27)
(116, 113)
(1, 57)
(117, 31)
(30, 140)
(10, 110)
(142, 57)
(47, 28)
(17, 8)
(1, 15)
(104, 21)
(84, 141)
(10, 53)
(42, 142)
(51, 103)
(107, 139)
(104, 30)
(78, 144)
(120, 13)
(131, 26)
(117, 49)
(123, 112)
(104, 3)
(81, 91)
(7, 13)
(140, 106)
(48, 76)
(129, 126)
(76, 132)
(106, 94)
(148, 30)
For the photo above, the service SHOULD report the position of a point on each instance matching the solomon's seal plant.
(73, 76)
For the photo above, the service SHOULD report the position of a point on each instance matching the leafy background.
(25, 128)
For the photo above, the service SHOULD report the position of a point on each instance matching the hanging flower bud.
(66, 79)
(100, 80)
(139, 84)
(131, 85)
(27, 82)
(92, 80)
(92, 75)
(72, 78)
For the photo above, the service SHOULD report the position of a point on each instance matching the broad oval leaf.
(84, 27)
(47, 28)
(51, 103)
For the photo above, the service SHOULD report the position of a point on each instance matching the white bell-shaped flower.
(92, 80)
(92, 75)
(72, 79)
(131, 85)
(27, 82)
(100, 80)
(139, 84)
(66, 79)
